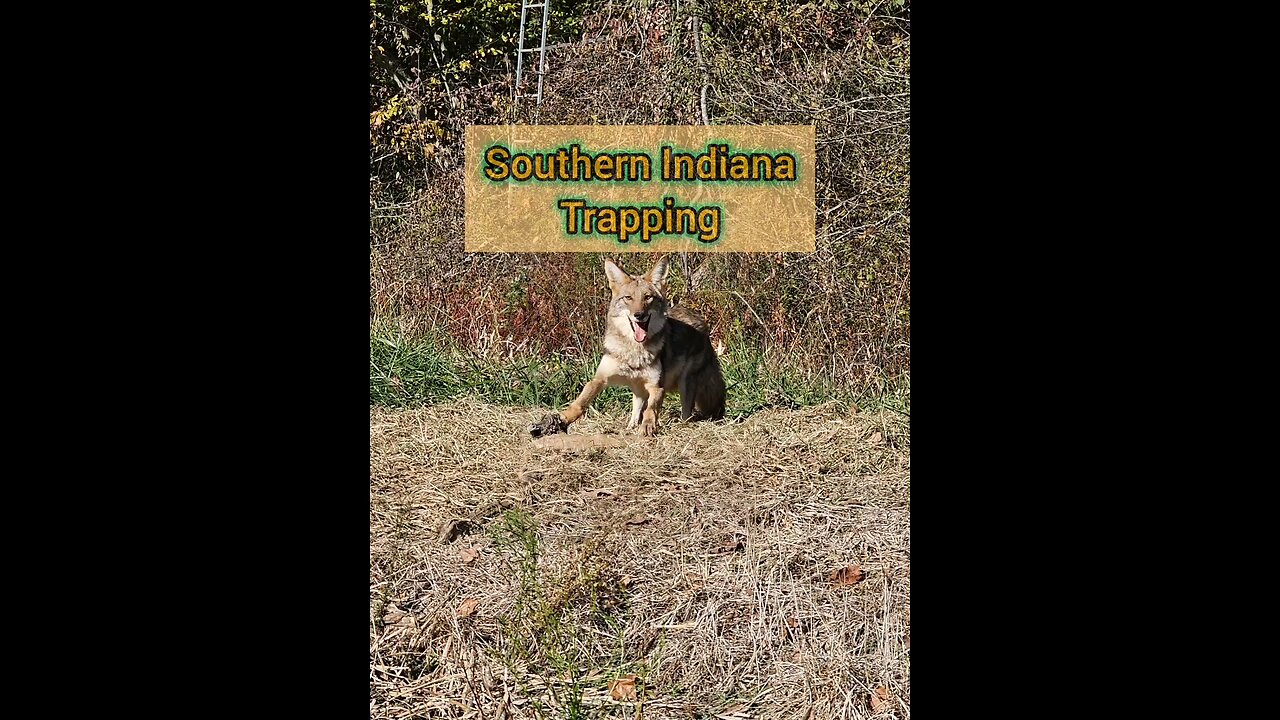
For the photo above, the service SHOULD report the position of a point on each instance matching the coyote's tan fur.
(652, 348)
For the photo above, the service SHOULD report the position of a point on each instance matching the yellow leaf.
(624, 688)
(468, 607)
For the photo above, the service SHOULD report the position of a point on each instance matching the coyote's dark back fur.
(689, 346)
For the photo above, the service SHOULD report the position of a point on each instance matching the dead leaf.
(876, 437)
(468, 607)
(624, 688)
(880, 700)
(849, 575)
(470, 555)
(794, 626)
(453, 529)
(395, 617)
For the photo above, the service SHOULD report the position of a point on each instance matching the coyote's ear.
(659, 272)
(617, 276)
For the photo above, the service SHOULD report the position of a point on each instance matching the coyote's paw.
(649, 428)
(550, 424)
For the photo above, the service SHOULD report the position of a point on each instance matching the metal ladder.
(525, 6)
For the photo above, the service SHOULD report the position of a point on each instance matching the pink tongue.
(640, 334)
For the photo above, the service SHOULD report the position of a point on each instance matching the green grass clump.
(407, 372)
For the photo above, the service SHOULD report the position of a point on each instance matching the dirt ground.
(734, 570)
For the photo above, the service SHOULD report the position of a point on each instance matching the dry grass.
(700, 561)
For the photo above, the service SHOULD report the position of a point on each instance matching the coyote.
(652, 348)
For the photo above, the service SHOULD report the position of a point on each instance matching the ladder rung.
(534, 6)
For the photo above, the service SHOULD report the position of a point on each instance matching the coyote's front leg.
(654, 406)
(638, 398)
(584, 400)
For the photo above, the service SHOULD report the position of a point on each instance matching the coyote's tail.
(711, 393)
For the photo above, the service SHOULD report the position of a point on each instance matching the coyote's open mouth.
(641, 328)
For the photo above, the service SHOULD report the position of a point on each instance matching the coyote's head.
(637, 309)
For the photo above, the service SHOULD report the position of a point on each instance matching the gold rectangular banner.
(640, 188)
